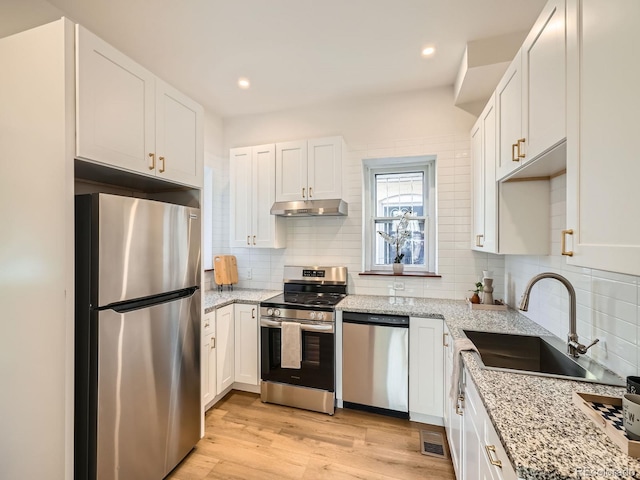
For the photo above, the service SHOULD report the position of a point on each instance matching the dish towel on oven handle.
(290, 347)
(459, 346)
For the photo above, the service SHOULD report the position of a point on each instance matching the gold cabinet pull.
(248, 239)
(253, 313)
(494, 461)
(478, 242)
(213, 343)
(514, 156)
(444, 339)
(563, 245)
(310, 192)
(152, 164)
(161, 159)
(254, 239)
(520, 154)
(303, 192)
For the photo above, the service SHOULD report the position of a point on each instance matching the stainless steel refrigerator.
(137, 358)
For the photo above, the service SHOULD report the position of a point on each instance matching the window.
(393, 188)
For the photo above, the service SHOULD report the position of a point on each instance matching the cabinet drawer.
(494, 448)
(208, 324)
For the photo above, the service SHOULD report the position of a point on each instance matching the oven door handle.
(309, 327)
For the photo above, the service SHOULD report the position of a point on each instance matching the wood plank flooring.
(247, 439)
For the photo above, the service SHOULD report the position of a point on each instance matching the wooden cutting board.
(225, 270)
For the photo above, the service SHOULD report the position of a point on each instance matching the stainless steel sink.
(535, 355)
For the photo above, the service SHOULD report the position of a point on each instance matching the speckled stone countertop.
(544, 434)
(214, 299)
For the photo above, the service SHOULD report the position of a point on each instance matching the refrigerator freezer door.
(145, 248)
(148, 415)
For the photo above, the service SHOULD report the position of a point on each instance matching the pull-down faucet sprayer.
(574, 348)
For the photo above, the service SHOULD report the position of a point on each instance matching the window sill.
(389, 273)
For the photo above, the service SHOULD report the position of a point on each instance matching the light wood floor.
(248, 439)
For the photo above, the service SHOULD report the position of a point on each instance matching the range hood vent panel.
(311, 208)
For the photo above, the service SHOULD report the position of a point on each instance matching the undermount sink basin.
(544, 356)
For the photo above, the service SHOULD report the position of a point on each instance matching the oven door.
(317, 369)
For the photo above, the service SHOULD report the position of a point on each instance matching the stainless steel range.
(297, 331)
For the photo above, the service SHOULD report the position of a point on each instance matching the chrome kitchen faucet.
(574, 348)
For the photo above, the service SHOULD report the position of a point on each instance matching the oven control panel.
(296, 314)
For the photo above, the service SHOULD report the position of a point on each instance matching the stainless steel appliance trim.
(323, 327)
(332, 275)
(310, 208)
(295, 314)
(301, 397)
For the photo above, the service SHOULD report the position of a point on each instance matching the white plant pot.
(398, 268)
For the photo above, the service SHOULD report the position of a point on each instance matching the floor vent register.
(434, 444)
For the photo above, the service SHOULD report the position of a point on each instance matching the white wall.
(608, 303)
(414, 123)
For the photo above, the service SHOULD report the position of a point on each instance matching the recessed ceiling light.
(428, 51)
(243, 83)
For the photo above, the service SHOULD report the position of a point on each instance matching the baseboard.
(428, 419)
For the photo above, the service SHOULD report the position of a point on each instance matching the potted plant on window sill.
(398, 240)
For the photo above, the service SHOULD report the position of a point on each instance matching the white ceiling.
(295, 52)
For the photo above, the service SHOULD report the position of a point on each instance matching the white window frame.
(372, 167)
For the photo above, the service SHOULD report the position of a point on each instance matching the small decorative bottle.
(487, 291)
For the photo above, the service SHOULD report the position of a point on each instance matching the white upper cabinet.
(603, 199)
(309, 170)
(252, 188)
(544, 82)
(530, 98)
(509, 107)
(130, 119)
(179, 140)
(483, 150)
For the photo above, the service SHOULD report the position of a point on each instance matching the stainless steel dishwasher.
(375, 363)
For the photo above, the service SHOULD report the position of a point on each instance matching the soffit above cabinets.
(482, 66)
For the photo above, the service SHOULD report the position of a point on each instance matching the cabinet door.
(544, 82)
(324, 175)
(208, 368)
(426, 368)
(240, 164)
(225, 346)
(179, 142)
(509, 118)
(263, 224)
(603, 200)
(291, 171)
(115, 106)
(452, 418)
(478, 186)
(246, 344)
(488, 119)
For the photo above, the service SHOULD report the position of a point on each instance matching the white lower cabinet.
(246, 344)
(426, 370)
(483, 456)
(208, 370)
(453, 420)
(225, 348)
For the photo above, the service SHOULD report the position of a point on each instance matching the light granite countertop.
(544, 434)
(214, 299)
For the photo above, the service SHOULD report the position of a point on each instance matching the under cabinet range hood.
(310, 208)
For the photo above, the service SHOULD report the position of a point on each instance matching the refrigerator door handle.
(129, 306)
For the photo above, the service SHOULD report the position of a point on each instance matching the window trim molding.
(373, 166)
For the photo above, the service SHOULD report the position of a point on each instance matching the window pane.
(396, 192)
(412, 250)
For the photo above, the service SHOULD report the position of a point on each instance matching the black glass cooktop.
(304, 299)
